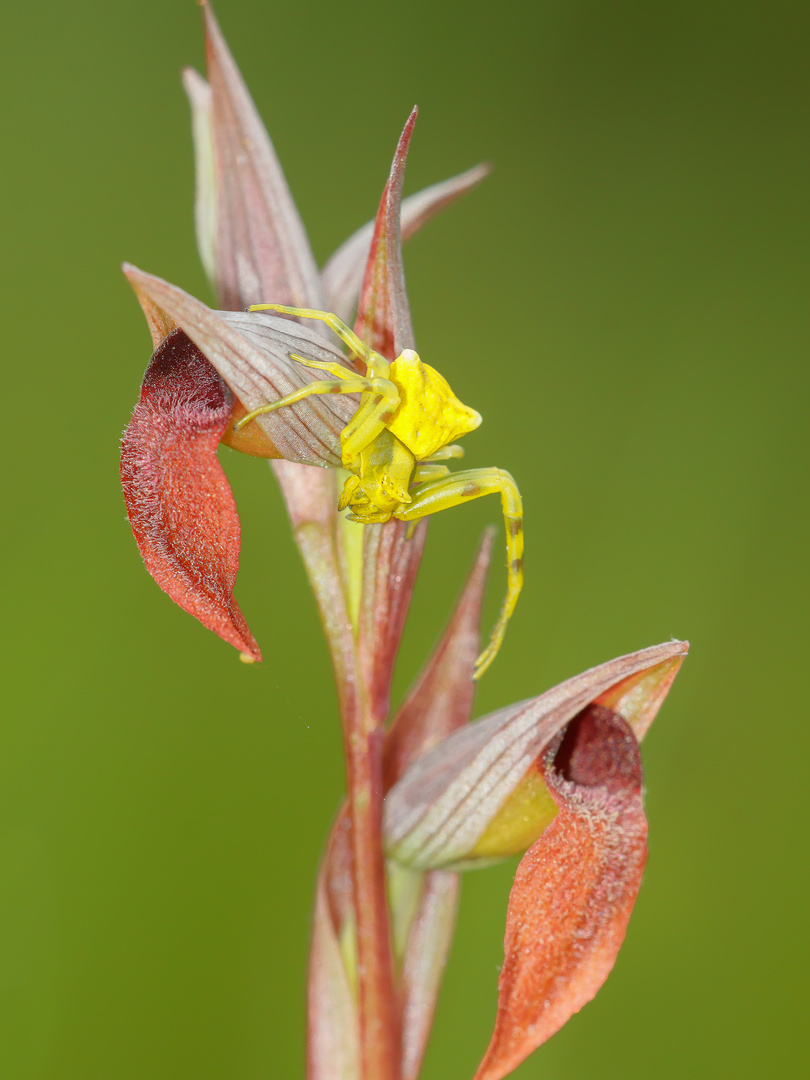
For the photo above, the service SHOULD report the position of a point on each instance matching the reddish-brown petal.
(333, 1026)
(390, 559)
(441, 699)
(178, 500)
(429, 941)
(574, 889)
(384, 316)
(262, 251)
(342, 276)
(390, 562)
(159, 321)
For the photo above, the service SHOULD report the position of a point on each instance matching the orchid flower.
(428, 793)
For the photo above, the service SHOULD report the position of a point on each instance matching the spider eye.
(393, 490)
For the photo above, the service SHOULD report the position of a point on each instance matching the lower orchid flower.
(559, 775)
(428, 794)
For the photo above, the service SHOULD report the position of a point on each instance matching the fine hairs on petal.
(178, 500)
(574, 889)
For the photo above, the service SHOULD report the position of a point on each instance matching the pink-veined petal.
(262, 251)
(390, 559)
(384, 315)
(437, 815)
(251, 352)
(333, 1048)
(178, 500)
(205, 188)
(639, 696)
(390, 563)
(342, 276)
(574, 889)
(429, 941)
(160, 323)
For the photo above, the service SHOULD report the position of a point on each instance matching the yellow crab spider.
(393, 446)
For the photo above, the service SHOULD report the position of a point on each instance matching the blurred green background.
(625, 299)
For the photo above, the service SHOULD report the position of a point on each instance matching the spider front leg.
(356, 385)
(376, 364)
(458, 488)
(340, 371)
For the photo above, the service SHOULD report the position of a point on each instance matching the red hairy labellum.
(574, 889)
(178, 500)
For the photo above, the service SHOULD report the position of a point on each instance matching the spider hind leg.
(457, 488)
